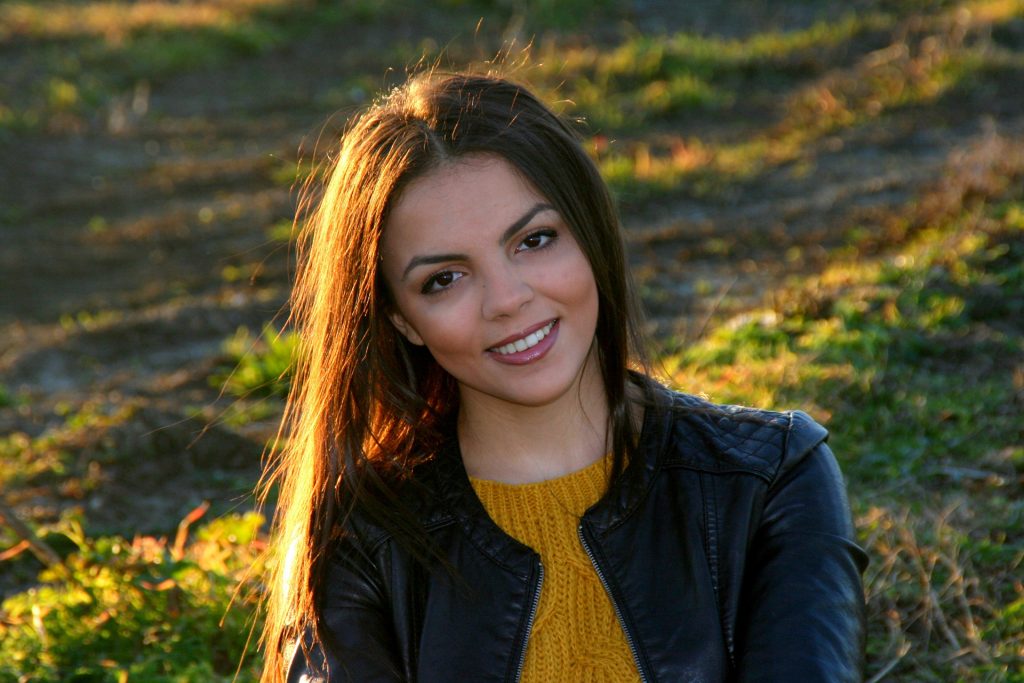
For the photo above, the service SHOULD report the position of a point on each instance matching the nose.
(505, 292)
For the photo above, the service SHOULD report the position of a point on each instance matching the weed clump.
(257, 366)
(145, 609)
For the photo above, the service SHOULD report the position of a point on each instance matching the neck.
(519, 444)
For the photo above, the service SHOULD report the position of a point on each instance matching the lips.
(528, 346)
(526, 341)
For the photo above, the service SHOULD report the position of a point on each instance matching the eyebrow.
(508, 234)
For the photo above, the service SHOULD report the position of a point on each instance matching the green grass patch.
(907, 348)
(916, 363)
(540, 16)
(281, 231)
(85, 54)
(649, 82)
(638, 170)
(648, 78)
(257, 366)
(62, 454)
(7, 399)
(146, 609)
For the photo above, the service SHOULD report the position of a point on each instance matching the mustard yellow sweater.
(576, 636)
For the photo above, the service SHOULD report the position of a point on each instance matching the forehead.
(478, 182)
(472, 197)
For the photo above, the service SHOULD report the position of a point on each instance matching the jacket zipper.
(615, 605)
(529, 623)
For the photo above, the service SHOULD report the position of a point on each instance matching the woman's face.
(488, 276)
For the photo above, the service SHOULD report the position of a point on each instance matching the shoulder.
(718, 438)
(422, 497)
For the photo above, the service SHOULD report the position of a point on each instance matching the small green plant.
(89, 320)
(142, 609)
(281, 231)
(257, 366)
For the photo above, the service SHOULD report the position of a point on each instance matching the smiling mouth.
(526, 342)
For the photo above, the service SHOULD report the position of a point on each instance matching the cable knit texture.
(576, 635)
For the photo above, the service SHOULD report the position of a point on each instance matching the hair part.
(367, 406)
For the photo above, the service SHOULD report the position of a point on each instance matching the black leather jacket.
(727, 551)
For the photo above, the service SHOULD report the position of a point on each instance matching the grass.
(908, 345)
(57, 455)
(148, 609)
(865, 346)
(87, 54)
(875, 347)
(96, 58)
(915, 360)
(257, 367)
(647, 78)
(785, 84)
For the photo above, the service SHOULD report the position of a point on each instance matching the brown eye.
(438, 282)
(537, 240)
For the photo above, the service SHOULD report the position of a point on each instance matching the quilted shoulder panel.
(729, 438)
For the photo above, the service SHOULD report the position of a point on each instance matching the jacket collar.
(457, 501)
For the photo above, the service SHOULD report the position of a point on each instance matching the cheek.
(445, 328)
(578, 282)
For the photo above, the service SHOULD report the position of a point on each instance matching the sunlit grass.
(143, 609)
(114, 22)
(915, 360)
(88, 53)
(638, 97)
(27, 461)
(642, 168)
(908, 345)
(649, 77)
(257, 366)
(996, 11)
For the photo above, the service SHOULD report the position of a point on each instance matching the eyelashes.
(442, 280)
(538, 239)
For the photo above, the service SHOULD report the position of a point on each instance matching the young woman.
(476, 484)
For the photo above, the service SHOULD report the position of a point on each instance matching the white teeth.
(526, 342)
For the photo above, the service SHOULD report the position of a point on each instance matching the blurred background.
(824, 208)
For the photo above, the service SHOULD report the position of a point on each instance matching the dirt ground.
(119, 242)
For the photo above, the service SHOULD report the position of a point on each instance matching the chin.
(548, 388)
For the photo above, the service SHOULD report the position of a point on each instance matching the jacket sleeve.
(804, 616)
(358, 637)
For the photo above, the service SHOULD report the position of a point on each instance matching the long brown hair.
(366, 406)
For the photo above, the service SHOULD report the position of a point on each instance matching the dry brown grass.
(927, 601)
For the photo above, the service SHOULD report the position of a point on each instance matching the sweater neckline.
(585, 472)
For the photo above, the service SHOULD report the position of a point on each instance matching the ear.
(407, 331)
